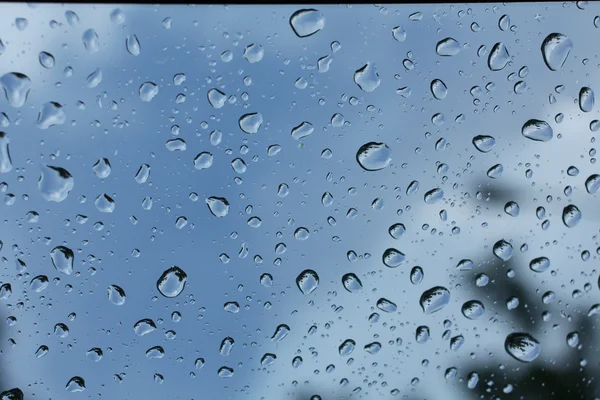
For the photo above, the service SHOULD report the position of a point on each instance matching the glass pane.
(299, 202)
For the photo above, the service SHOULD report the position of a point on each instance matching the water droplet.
(39, 353)
(102, 168)
(268, 359)
(117, 16)
(457, 342)
(499, 57)
(503, 250)
(484, 143)
(473, 309)
(416, 275)
(434, 299)
(62, 259)
(144, 327)
(433, 196)
(412, 188)
(104, 203)
(253, 53)
(218, 206)
(148, 90)
(5, 291)
(16, 88)
(592, 183)
(90, 40)
(307, 22)
(337, 120)
(374, 156)
(555, 50)
(504, 22)
(94, 354)
(21, 23)
(266, 280)
(302, 130)
(386, 305)
(373, 348)
(586, 99)
(367, 78)
(352, 283)
(347, 347)
(250, 123)
(5, 160)
(72, 18)
(571, 216)
(225, 372)
(399, 33)
(155, 352)
(133, 45)
(512, 209)
(143, 174)
(176, 145)
(307, 281)
(422, 334)
(573, 339)
(172, 282)
(46, 60)
(231, 307)
(116, 295)
(75, 384)
(439, 89)
(301, 233)
(392, 258)
(238, 165)
(522, 346)
(537, 130)
(447, 47)
(397, 230)
(39, 283)
(216, 98)
(94, 79)
(495, 171)
(226, 346)
(52, 113)
(465, 265)
(280, 333)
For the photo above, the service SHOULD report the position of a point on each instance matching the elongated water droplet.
(307, 281)
(116, 295)
(499, 57)
(90, 40)
(5, 160)
(16, 88)
(386, 305)
(433, 196)
(148, 90)
(307, 22)
(416, 275)
(216, 98)
(39, 353)
(367, 78)
(555, 50)
(374, 156)
(172, 282)
(250, 123)
(133, 45)
(143, 174)
(439, 89)
(586, 99)
(422, 334)
(537, 130)
(94, 79)
(62, 259)
(592, 183)
(280, 333)
(392, 258)
(46, 60)
(144, 327)
(434, 299)
(484, 143)
(399, 33)
(373, 348)
(522, 347)
(347, 347)
(571, 216)
(226, 346)
(352, 283)
(302, 130)
(447, 47)
(239, 165)
(218, 206)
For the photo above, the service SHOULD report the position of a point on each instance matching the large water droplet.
(16, 88)
(307, 22)
(116, 295)
(90, 40)
(392, 258)
(226, 346)
(439, 89)
(347, 347)
(268, 359)
(218, 206)
(302, 130)
(55, 183)
(253, 53)
(203, 160)
(374, 156)
(148, 90)
(499, 57)
(46, 60)
(367, 78)
(216, 98)
(386, 305)
(399, 33)
(484, 143)
(280, 333)
(250, 123)
(155, 352)
(503, 250)
(571, 216)
(586, 99)
(104, 203)
(143, 174)
(5, 160)
(62, 259)
(117, 16)
(307, 281)
(352, 283)
(537, 130)
(12, 394)
(434, 299)
(75, 384)
(133, 45)
(592, 183)
(5, 291)
(102, 168)
(172, 282)
(52, 113)
(522, 346)
(144, 327)
(539, 264)
(94, 79)
(225, 372)
(473, 309)
(447, 47)
(555, 50)
(433, 196)
(39, 283)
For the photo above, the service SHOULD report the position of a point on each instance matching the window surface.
(299, 202)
